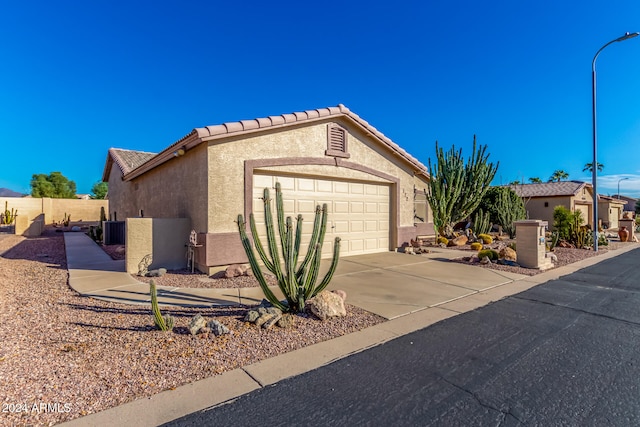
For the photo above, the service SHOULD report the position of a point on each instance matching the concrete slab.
(82, 281)
(383, 259)
(467, 276)
(384, 293)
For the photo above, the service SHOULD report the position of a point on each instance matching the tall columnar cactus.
(9, 215)
(481, 224)
(163, 323)
(298, 283)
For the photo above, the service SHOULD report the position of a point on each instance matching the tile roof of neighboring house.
(211, 133)
(549, 189)
(127, 160)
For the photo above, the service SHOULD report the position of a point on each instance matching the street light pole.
(621, 179)
(594, 176)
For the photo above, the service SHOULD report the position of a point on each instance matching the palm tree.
(589, 167)
(558, 176)
(535, 180)
(516, 182)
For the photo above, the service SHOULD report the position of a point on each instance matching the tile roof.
(128, 160)
(549, 189)
(224, 130)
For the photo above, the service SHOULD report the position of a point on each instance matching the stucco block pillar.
(531, 245)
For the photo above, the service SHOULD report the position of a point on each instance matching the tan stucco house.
(374, 189)
(541, 199)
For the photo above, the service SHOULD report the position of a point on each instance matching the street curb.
(221, 389)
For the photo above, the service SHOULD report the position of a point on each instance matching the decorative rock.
(508, 262)
(275, 311)
(341, 293)
(157, 273)
(508, 254)
(485, 260)
(218, 328)
(76, 228)
(287, 321)
(459, 241)
(251, 316)
(264, 319)
(235, 270)
(327, 304)
(196, 324)
(272, 321)
(552, 257)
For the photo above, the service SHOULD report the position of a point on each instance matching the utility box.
(531, 244)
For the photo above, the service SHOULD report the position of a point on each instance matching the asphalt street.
(563, 353)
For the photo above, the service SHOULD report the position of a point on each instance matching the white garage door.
(358, 213)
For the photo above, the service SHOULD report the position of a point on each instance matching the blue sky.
(80, 77)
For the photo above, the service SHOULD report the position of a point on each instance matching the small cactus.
(492, 254)
(9, 216)
(164, 323)
(476, 246)
(442, 240)
(486, 239)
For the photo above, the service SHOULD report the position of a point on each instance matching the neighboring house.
(630, 202)
(374, 189)
(610, 211)
(541, 199)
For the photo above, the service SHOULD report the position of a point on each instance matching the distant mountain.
(5, 192)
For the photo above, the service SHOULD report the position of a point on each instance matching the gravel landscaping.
(63, 356)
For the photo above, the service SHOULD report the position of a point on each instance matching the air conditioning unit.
(113, 232)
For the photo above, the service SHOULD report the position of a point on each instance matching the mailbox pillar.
(531, 244)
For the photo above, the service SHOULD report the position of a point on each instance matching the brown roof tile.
(128, 160)
(549, 189)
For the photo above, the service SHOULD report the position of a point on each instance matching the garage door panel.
(358, 212)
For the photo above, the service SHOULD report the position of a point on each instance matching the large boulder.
(459, 241)
(326, 305)
(508, 254)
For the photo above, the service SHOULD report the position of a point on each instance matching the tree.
(516, 182)
(589, 167)
(99, 190)
(54, 185)
(455, 187)
(558, 175)
(535, 180)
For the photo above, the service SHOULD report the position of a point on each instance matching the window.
(419, 206)
(336, 141)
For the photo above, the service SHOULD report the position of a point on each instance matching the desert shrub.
(562, 220)
(491, 253)
(476, 246)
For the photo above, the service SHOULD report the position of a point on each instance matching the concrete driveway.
(388, 284)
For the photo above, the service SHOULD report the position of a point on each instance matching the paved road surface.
(564, 353)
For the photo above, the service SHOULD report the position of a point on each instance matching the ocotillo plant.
(163, 323)
(297, 282)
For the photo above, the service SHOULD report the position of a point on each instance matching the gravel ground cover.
(63, 356)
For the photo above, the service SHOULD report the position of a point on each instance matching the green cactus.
(297, 282)
(103, 215)
(491, 253)
(481, 224)
(66, 220)
(163, 323)
(553, 240)
(9, 216)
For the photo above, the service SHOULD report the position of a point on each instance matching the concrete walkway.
(388, 284)
(413, 291)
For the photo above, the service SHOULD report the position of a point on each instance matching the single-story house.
(610, 211)
(541, 199)
(374, 189)
(630, 202)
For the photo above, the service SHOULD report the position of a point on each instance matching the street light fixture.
(594, 176)
(621, 179)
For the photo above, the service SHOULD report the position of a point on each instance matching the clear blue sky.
(79, 77)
